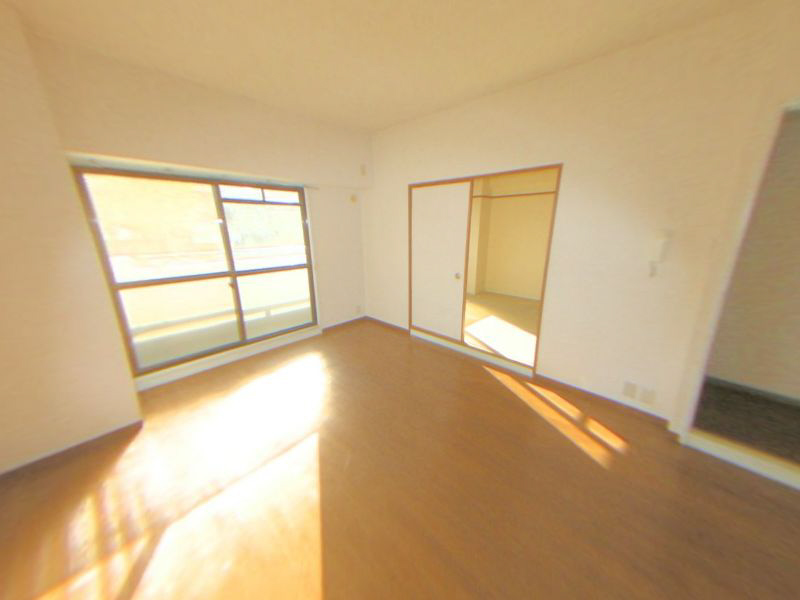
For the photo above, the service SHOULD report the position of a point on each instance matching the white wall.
(476, 232)
(758, 340)
(335, 215)
(670, 134)
(65, 376)
(105, 107)
(517, 247)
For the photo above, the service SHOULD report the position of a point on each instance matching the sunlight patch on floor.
(603, 433)
(569, 409)
(260, 537)
(504, 338)
(584, 432)
(238, 463)
(105, 579)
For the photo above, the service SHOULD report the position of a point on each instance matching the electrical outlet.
(648, 396)
(629, 390)
(353, 198)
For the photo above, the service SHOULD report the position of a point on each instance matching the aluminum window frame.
(115, 287)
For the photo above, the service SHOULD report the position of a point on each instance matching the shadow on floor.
(367, 464)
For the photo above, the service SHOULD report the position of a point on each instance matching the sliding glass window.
(199, 266)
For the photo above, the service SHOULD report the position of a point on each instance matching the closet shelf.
(513, 195)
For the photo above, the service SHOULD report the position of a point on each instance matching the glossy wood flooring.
(365, 464)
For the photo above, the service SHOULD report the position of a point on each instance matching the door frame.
(681, 420)
(488, 356)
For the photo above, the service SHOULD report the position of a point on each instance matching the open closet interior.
(478, 262)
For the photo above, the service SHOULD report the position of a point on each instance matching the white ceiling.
(364, 64)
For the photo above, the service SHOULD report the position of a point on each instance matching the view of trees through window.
(198, 266)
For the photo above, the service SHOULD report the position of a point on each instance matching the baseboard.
(641, 408)
(364, 318)
(755, 461)
(168, 375)
(515, 368)
(508, 365)
(386, 324)
(333, 326)
(645, 411)
(133, 425)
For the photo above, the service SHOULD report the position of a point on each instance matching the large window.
(198, 266)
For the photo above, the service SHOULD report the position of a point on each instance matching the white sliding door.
(439, 223)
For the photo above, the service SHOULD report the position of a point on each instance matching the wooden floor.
(366, 464)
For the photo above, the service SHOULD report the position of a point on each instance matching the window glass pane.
(173, 320)
(275, 301)
(265, 236)
(285, 196)
(155, 228)
(240, 192)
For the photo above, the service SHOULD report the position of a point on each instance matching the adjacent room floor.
(502, 324)
(367, 464)
(753, 419)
